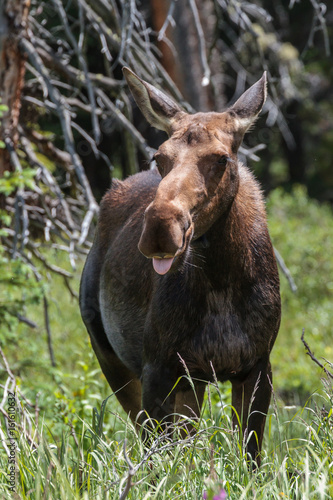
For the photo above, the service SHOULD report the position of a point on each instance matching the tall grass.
(86, 462)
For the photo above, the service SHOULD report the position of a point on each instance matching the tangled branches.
(60, 88)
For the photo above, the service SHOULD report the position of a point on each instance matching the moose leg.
(123, 382)
(250, 400)
(158, 396)
(189, 403)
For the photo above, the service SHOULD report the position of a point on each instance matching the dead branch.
(51, 267)
(312, 356)
(130, 474)
(124, 122)
(48, 330)
(65, 121)
(285, 271)
(27, 321)
(48, 177)
(84, 67)
(319, 24)
(202, 44)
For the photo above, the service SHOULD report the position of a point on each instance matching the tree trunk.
(189, 37)
(13, 24)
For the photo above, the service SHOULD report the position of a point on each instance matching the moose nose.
(160, 238)
(163, 235)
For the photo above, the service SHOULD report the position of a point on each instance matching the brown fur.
(218, 307)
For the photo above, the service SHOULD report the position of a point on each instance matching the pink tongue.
(162, 266)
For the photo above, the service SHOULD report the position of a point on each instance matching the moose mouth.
(162, 265)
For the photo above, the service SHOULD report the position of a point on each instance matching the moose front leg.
(250, 401)
(158, 398)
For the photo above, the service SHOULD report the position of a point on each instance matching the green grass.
(79, 450)
(88, 462)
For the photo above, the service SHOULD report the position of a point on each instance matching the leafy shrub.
(302, 231)
(18, 285)
(18, 289)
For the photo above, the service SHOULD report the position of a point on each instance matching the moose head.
(198, 166)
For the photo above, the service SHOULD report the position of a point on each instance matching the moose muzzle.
(166, 233)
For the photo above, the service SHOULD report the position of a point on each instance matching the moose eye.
(159, 165)
(223, 160)
(155, 159)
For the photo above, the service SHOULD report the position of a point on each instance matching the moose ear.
(248, 106)
(158, 109)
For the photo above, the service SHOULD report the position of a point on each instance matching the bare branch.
(55, 63)
(202, 43)
(318, 24)
(27, 321)
(65, 120)
(83, 64)
(99, 24)
(312, 356)
(49, 179)
(130, 474)
(285, 271)
(51, 267)
(48, 330)
(169, 20)
(122, 120)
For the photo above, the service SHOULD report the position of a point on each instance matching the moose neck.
(220, 204)
(229, 243)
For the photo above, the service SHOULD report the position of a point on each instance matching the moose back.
(182, 270)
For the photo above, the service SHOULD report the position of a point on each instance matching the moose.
(181, 278)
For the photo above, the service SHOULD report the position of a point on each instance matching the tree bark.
(184, 63)
(13, 25)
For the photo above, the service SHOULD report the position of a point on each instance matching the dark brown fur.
(218, 307)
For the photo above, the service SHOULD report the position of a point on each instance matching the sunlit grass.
(87, 462)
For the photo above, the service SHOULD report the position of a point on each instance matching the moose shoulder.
(182, 270)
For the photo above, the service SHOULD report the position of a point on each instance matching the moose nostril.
(186, 234)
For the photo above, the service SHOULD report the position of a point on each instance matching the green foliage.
(11, 181)
(18, 289)
(18, 286)
(302, 231)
